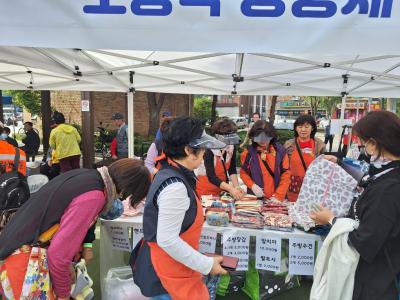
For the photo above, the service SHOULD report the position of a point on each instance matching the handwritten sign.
(268, 253)
(236, 244)
(137, 234)
(301, 256)
(208, 241)
(119, 237)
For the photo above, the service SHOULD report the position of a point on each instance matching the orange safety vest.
(297, 170)
(205, 187)
(269, 185)
(7, 156)
(178, 280)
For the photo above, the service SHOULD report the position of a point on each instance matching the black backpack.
(14, 191)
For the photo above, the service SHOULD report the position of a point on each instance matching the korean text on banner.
(268, 253)
(301, 256)
(236, 244)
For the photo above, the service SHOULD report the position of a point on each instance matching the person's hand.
(216, 268)
(322, 216)
(50, 163)
(257, 191)
(331, 158)
(237, 193)
(114, 157)
(273, 199)
(87, 255)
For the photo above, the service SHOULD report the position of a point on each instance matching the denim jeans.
(162, 297)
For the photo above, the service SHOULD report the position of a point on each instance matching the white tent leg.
(343, 108)
(131, 124)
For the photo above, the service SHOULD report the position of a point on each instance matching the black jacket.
(378, 210)
(32, 142)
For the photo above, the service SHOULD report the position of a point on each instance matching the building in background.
(243, 106)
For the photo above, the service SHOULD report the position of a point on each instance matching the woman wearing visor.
(265, 164)
(218, 173)
(167, 263)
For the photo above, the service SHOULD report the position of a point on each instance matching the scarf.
(253, 168)
(110, 189)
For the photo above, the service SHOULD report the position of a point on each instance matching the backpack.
(14, 192)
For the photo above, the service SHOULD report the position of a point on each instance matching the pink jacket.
(75, 223)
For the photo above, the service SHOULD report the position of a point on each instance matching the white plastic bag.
(119, 285)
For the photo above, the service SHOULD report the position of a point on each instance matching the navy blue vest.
(143, 272)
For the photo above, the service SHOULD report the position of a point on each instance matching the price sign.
(268, 253)
(208, 241)
(237, 245)
(119, 237)
(301, 256)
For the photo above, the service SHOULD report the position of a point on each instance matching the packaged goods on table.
(248, 213)
(278, 221)
(217, 217)
(244, 221)
(275, 207)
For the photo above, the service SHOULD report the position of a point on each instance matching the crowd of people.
(184, 163)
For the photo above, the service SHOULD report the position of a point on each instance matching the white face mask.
(3, 136)
(379, 162)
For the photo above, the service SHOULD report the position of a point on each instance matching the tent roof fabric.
(199, 73)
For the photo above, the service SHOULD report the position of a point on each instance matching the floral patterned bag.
(325, 183)
(36, 283)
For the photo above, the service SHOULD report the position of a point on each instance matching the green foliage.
(202, 108)
(330, 104)
(398, 108)
(30, 100)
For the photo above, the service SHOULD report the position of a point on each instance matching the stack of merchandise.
(207, 200)
(276, 216)
(279, 222)
(248, 213)
(275, 207)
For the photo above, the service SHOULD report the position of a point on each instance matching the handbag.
(297, 181)
(36, 283)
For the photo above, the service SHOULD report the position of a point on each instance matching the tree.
(214, 109)
(202, 108)
(330, 104)
(273, 109)
(155, 102)
(314, 102)
(30, 100)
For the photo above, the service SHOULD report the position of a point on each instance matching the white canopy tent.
(244, 47)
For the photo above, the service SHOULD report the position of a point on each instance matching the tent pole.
(131, 124)
(342, 109)
(131, 117)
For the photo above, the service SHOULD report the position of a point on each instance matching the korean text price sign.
(208, 241)
(268, 253)
(119, 237)
(237, 245)
(137, 234)
(301, 256)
